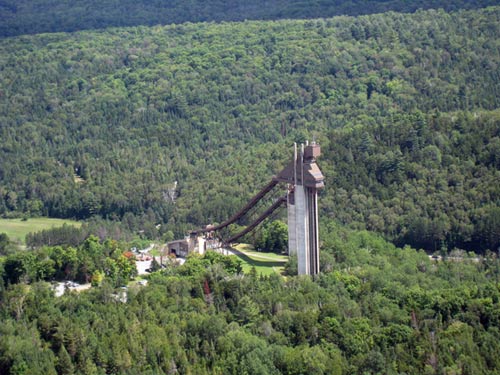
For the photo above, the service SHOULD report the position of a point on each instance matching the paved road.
(454, 259)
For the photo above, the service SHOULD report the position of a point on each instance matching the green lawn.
(17, 229)
(264, 263)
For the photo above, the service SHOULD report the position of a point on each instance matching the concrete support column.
(312, 211)
(302, 225)
(292, 225)
(200, 245)
(304, 179)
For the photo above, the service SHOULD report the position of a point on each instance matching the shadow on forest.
(40, 16)
(259, 263)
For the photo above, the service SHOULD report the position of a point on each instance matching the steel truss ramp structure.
(261, 194)
(279, 203)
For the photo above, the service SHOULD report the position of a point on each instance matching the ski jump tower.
(304, 178)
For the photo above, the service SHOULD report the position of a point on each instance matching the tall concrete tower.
(304, 179)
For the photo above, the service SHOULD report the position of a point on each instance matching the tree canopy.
(375, 309)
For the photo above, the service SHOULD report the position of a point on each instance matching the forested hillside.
(405, 107)
(157, 130)
(39, 16)
(375, 310)
(429, 181)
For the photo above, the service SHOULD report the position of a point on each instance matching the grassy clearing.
(17, 229)
(264, 263)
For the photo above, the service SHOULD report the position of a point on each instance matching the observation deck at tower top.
(308, 170)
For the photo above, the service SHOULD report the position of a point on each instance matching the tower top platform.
(303, 170)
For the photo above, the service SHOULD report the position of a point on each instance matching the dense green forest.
(41, 16)
(147, 132)
(375, 309)
(405, 107)
(89, 261)
(410, 179)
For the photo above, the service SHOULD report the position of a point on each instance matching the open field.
(264, 263)
(17, 229)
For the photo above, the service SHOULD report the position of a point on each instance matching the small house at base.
(182, 248)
